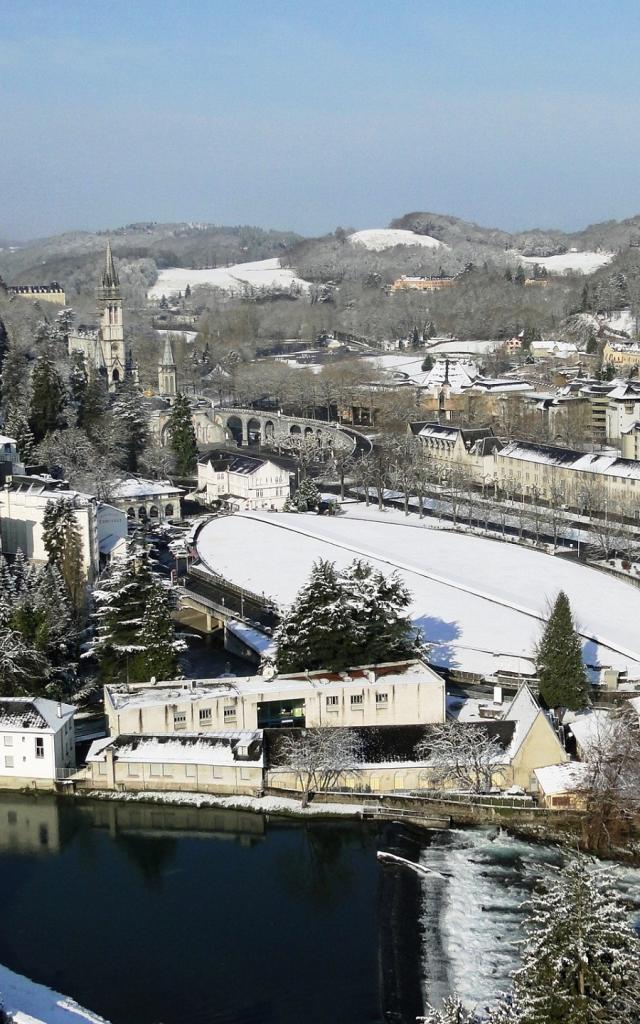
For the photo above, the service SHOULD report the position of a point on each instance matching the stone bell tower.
(167, 373)
(111, 331)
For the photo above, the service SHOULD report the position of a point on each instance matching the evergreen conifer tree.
(130, 415)
(581, 957)
(376, 602)
(17, 426)
(452, 1011)
(183, 437)
(63, 544)
(78, 384)
(563, 682)
(93, 407)
(131, 618)
(159, 657)
(316, 632)
(48, 396)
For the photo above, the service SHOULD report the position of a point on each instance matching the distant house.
(52, 292)
(563, 785)
(220, 762)
(22, 507)
(142, 499)
(37, 742)
(242, 482)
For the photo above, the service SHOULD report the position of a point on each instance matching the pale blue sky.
(306, 114)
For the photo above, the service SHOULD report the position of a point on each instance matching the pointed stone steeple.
(167, 355)
(110, 277)
(167, 372)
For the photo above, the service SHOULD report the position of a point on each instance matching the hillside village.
(343, 575)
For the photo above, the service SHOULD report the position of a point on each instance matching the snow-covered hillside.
(585, 262)
(385, 238)
(264, 274)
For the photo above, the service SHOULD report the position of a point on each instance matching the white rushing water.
(473, 915)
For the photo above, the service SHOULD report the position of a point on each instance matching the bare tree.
(319, 758)
(401, 472)
(344, 463)
(422, 471)
(613, 780)
(462, 754)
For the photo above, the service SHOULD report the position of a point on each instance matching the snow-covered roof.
(253, 638)
(591, 729)
(7, 440)
(391, 674)
(216, 748)
(552, 455)
(138, 487)
(556, 779)
(37, 713)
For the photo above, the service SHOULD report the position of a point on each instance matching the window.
(167, 769)
(190, 771)
(8, 741)
(102, 769)
(245, 773)
(12, 817)
(356, 698)
(180, 719)
(217, 771)
(39, 746)
(230, 712)
(332, 702)
(8, 762)
(382, 698)
(155, 769)
(132, 770)
(204, 715)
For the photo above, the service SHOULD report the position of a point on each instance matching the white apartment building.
(403, 693)
(37, 742)
(22, 509)
(243, 482)
(142, 499)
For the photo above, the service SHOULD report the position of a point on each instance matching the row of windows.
(357, 699)
(8, 742)
(191, 771)
(204, 716)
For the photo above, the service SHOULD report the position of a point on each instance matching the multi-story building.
(53, 292)
(621, 356)
(142, 499)
(37, 742)
(402, 693)
(242, 482)
(623, 409)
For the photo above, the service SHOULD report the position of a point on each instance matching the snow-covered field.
(378, 239)
(586, 262)
(189, 336)
(473, 598)
(263, 274)
(31, 1003)
(622, 320)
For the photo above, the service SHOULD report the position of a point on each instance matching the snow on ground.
(189, 336)
(585, 262)
(385, 238)
(262, 805)
(622, 320)
(263, 274)
(473, 598)
(32, 1003)
(479, 345)
(407, 363)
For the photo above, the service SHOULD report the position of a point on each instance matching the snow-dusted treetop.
(378, 239)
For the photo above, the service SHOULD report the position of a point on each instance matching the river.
(159, 915)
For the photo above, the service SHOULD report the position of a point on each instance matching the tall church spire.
(167, 372)
(167, 355)
(110, 277)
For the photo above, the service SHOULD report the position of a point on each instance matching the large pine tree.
(340, 620)
(182, 437)
(63, 544)
(317, 631)
(563, 682)
(131, 418)
(581, 957)
(47, 396)
(134, 627)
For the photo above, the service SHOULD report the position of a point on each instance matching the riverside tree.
(339, 620)
(563, 682)
(182, 437)
(319, 758)
(581, 956)
(462, 754)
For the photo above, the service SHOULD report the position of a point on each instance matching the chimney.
(497, 695)
(371, 675)
(59, 710)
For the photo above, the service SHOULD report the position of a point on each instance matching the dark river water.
(161, 915)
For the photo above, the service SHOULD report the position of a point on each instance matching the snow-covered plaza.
(480, 603)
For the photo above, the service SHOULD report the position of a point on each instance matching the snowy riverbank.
(260, 805)
(30, 1003)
